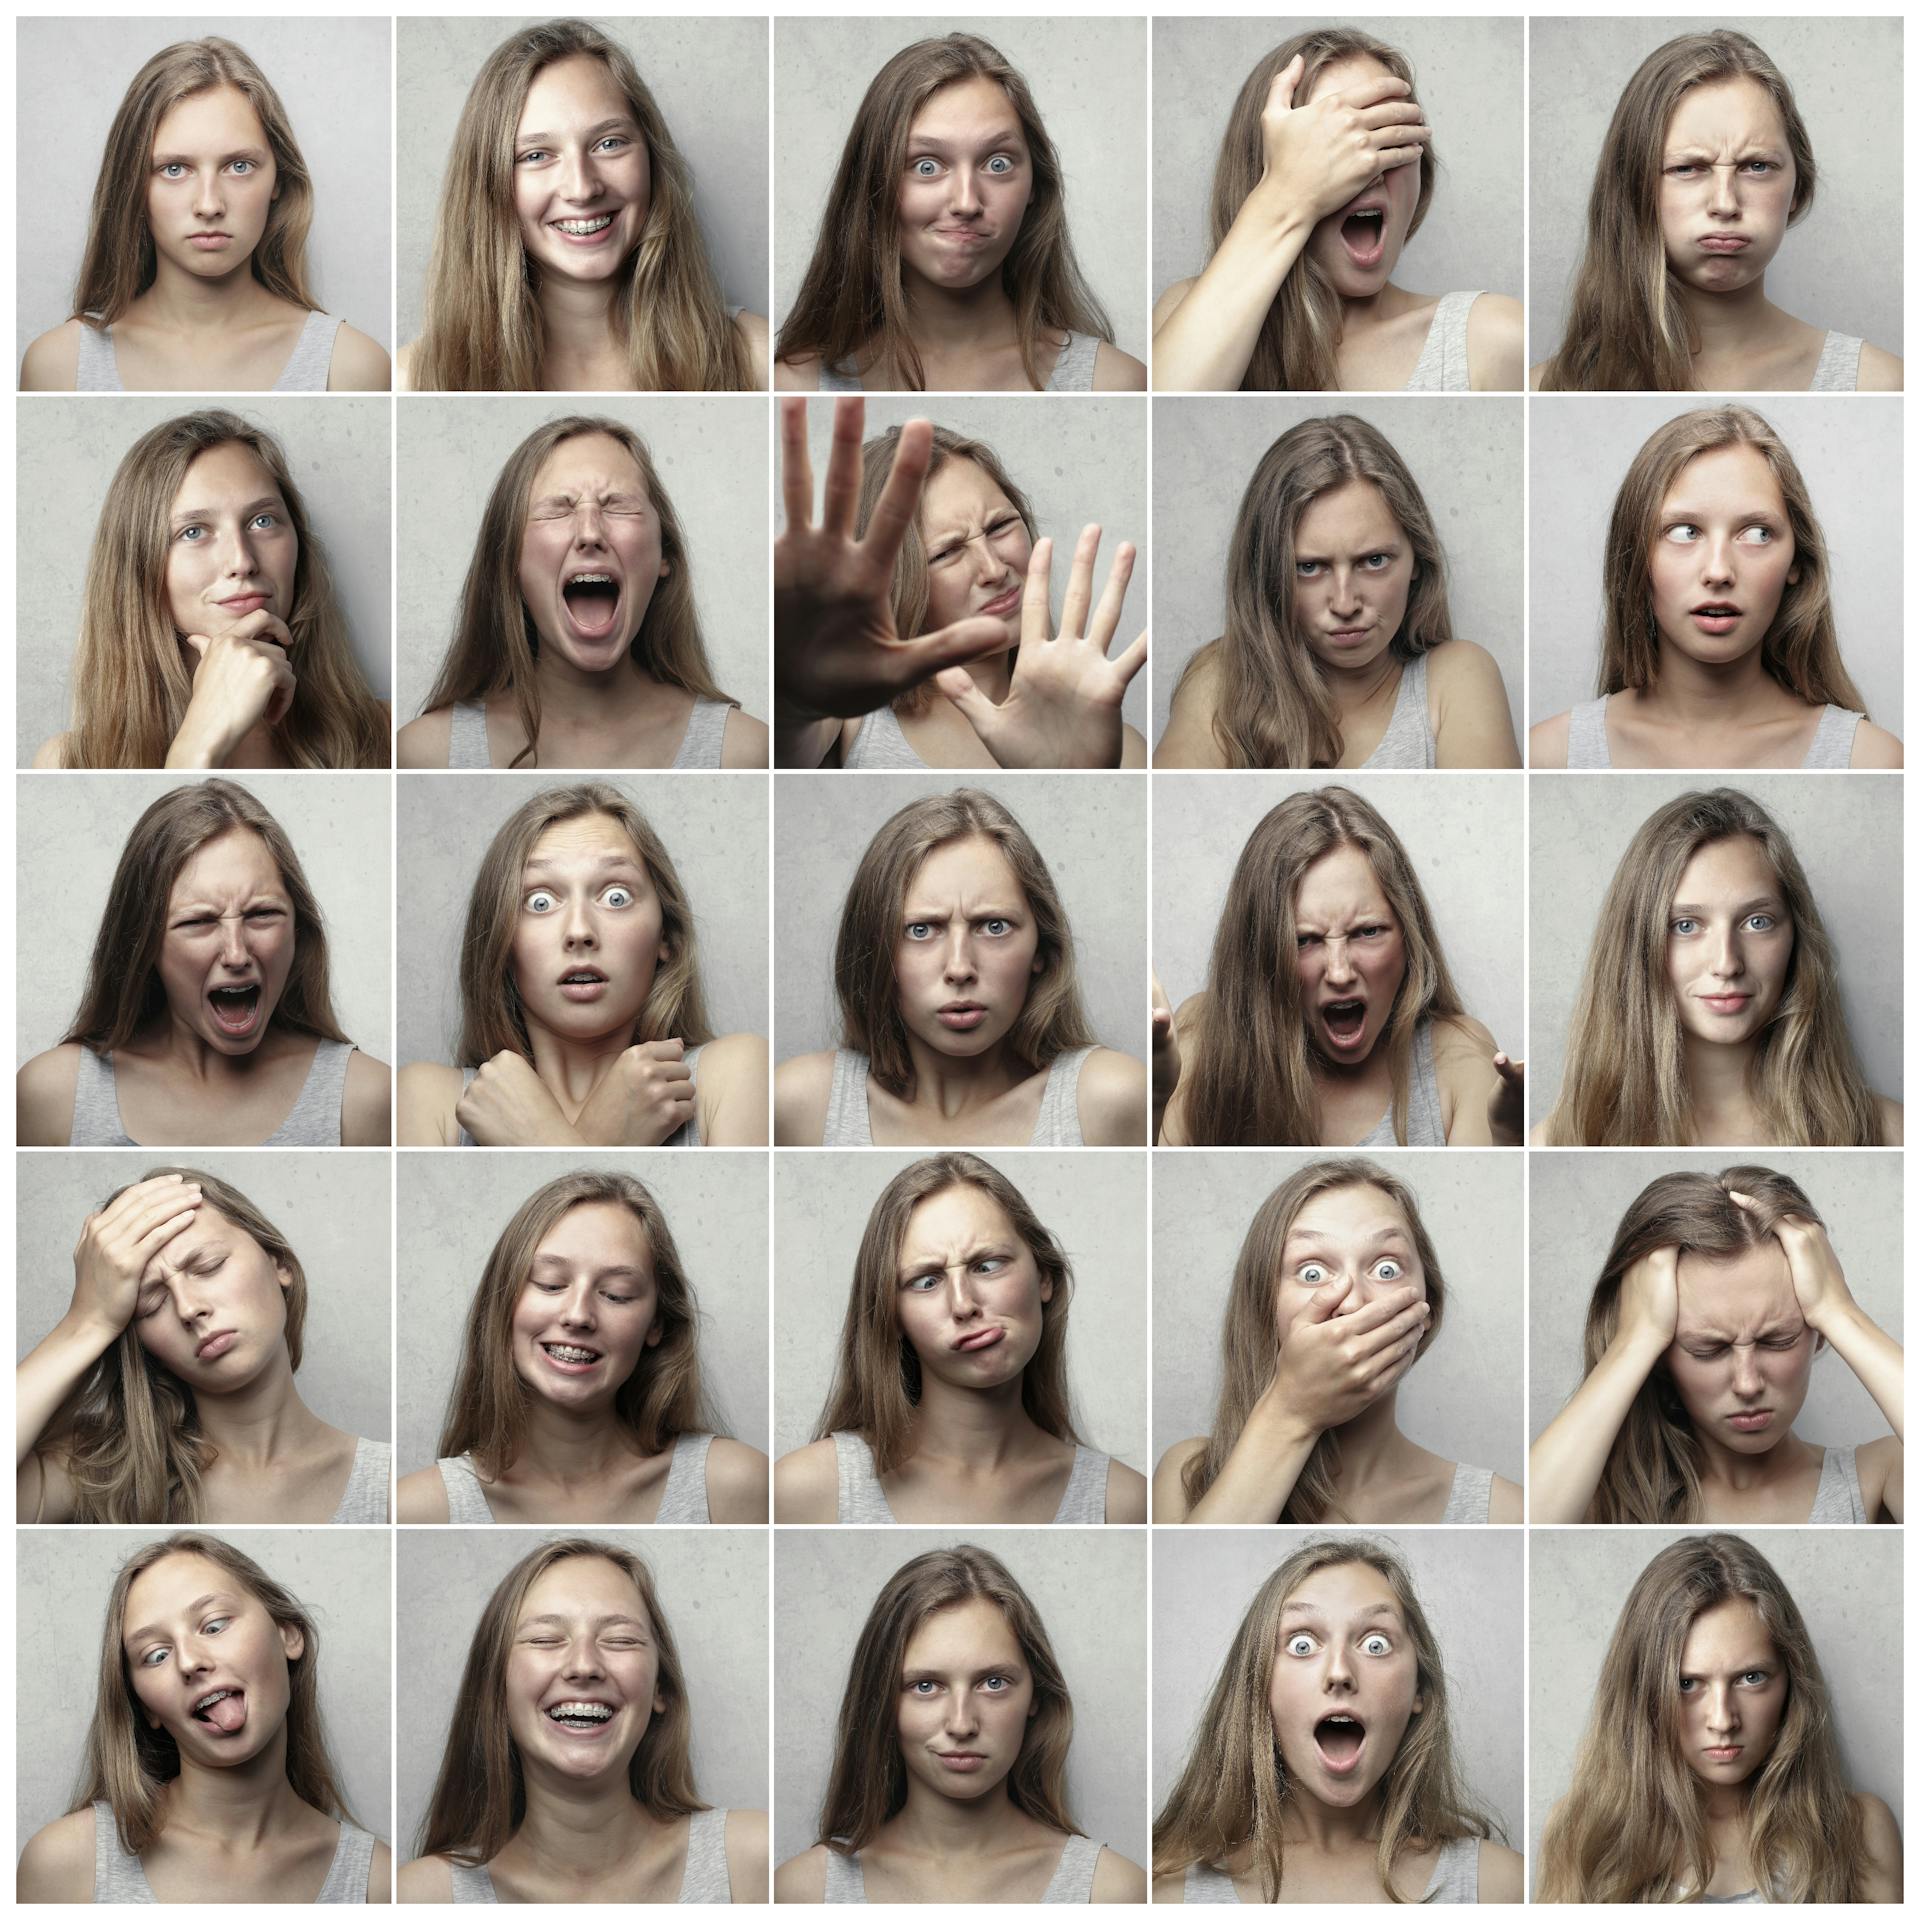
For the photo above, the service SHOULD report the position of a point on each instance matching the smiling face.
(582, 179)
(588, 935)
(1352, 956)
(193, 1632)
(212, 1305)
(977, 549)
(211, 184)
(1352, 573)
(589, 1307)
(1355, 1233)
(1356, 252)
(1345, 1683)
(1726, 185)
(590, 557)
(1733, 1692)
(966, 1695)
(1742, 1355)
(229, 942)
(1729, 942)
(583, 1672)
(231, 544)
(965, 186)
(1722, 555)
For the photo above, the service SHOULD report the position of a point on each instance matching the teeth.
(589, 579)
(578, 1355)
(585, 226)
(219, 1693)
(580, 1710)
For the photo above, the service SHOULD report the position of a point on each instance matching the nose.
(577, 1309)
(233, 941)
(987, 565)
(1725, 955)
(961, 1302)
(1345, 596)
(959, 968)
(1716, 559)
(583, 1661)
(1338, 969)
(579, 177)
(963, 191)
(1747, 1381)
(206, 194)
(962, 1716)
(576, 925)
(1723, 1710)
(1722, 196)
(1338, 1677)
(589, 525)
(185, 1303)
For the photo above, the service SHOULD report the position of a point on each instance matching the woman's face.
(1729, 942)
(1352, 573)
(969, 1293)
(212, 1305)
(1742, 1354)
(231, 545)
(1352, 955)
(588, 1309)
(1726, 185)
(583, 1672)
(967, 949)
(966, 1695)
(589, 931)
(1733, 1692)
(590, 557)
(229, 942)
(1358, 254)
(968, 178)
(1345, 1683)
(211, 184)
(1722, 555)
(207, 1662)
(977, 549)
(582, 178)
(1355, 1233)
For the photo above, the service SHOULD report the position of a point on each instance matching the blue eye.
(1378, 562)
(1686, 924)
(919, 929)
(1377, 1644)
(1762, 922)
(1300, 1645)
(1306, 569)
(1000, 163)
(541, 901)
(617, 896)
(924, 168)
(251, 166)
(1312, 1274)
(996, 926)
(533, 153)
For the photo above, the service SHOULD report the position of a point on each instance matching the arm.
(1474, 727)
(1117, 372)
(52, 751)
(1487, 1089)
(1189, 739)
(56, 1865)
(52, 362)
(427, 741)
(744, 744)
(1882, 1874)
(242, 678)
(1117, 1881)
(1496, 344)
(801, 1089)
(1872, 747)
(1113, 1100)
(359, 365)
(426, 1882)
(1126, 1496)
(746, 1832)
(1880, 371)
(1503, 1875)
(1547, 743)
(732, 1091)
(380, 1876)
(43, 1094)
(802, 1880)
(806, 1485)
(736, 1483)
(428, 1093)
(366, 1104)
(421, 1501)
(1166, 1058)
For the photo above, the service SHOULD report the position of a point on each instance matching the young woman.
(166, 1391)
(1322, 1770)
(194, 277)
(960, 1014)
(1710, 1769)
(1744, 1043)
(207, 1019)
(942, 261)
(579, 1395)
(972, 549)
(1705, 165)
(950, 1399)
(206, 587)
(1339, 647)
(1329, 1017)
(949, 1766)
(1701, 1335)
(582, 1017)
(207, 1776)
(1719, 647)
(1325, 174)
(1337, 1292)
(568, 257)
(578, 643)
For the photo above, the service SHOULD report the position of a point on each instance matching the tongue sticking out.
(230, 1714)
(1339, 1740)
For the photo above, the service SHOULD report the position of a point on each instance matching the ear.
(294, 1641)
(1793, 576)
(659, 1700)
(1419, 1702)
(666, 566)
(284, 1275)
(1046, 1288)
(653, 1334)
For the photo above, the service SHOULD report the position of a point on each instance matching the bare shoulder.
(1170, 1890)
(1459, 1037)
(420, 1499)
(1883, 1873)
(52, 363)
(1170, 1500)
(736, 1483)
(380, 1876)
(1502, 1874)
(427, 1881)
(806, 1485)
(1117, 372)
(745, 743)
(359, 365)
(752, 329)
(1496, 344)
(1872, 747)
(747, 1850)
(366, 1108)
(1880, 371)
(1187, 1015)
(803, 1879)
(1505, 1507)
(1463, 666)
(52, 752)
(428, 741)
(56, 1865)
(1547, 742)
(43, 1096)
(801, 1087)
(1113, 1099)
(1169, 302)
(733, 1091)
(403, 380)
(1189, 740)
(1117, 1881)
(1126, 1495)
(798, 375)
(429, 1093)
(1893, 1121)
(1535, 374)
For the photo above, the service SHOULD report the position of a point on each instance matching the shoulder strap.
(467, 734)
(466, 1500)
(1587, 735)
(846, 1884)
(97, 369)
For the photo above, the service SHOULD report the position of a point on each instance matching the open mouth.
(584, 230)
(1716, 616)
(583, 983)
(592, 602)
(224, 1709)
(236, 1010)
(1364, 235)
(1339, 1738)
(570, 1359)
(582, 1718)
(1345, 1021)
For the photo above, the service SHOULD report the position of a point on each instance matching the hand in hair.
(1063, 706)
(1166, 1054)
(1319, 157)
(506, 1104)
(1334, 1365)
(1507, 1103)
(240, 680)
(645, 1099)
(1818, 1283)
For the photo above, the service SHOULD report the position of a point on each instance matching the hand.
(1818, 1283)
(1063, 708)
(1507, 1103)
(240, 679)
(1650, 1299)
(1334, 1365)
(506, 1104)
(1166, 1048)
(646, 1098)
(117, 1242)
(835, 651)
(1321, 156)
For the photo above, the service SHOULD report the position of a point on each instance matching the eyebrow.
(1001, 137)
(599, 1273)
(1359, 553)
(1751, 906)
(985, 911)
(933, 1263)
(1678, 509)
(605, 1620)
(187, 514)
(1771, 1330)
(934, 1673)
(1307, 1611)
(267, 897)
(593, 132)
(239, 153)
(626, 490)
(160, 1633)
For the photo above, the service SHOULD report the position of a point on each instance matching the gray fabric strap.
(466, 1501)
(365, 1501)
(472, 1886)
(97, 371)
(683, 1500)
(1423, 1100)
(846, 1884)
(1837, 1500)
(847, 1123)
(1408, 740)
(1587, 735)
(1470, 1498)
(706, 736)
(96, 1104)
(1073, 371)
(881, 744)
(1839, 367)
(706, 1882)
(467, 734)
(1833, 739)
(1442, 366)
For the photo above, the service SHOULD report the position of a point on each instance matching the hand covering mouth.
(224, 1708)
(1340, 1736)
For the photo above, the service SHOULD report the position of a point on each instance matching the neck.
(1726, 322)
(1353, 688)
(1726, 1806)
(571, 1069)
(1698, 693)
(953, 319)
(580, 1830)
(579, 698)
(263, 1422)
(932, 1824)
(1372, 310)
(239, 1806)
(183, 302)
(956, 1084)
(1309, 1822)
(185, 1050)
(1372, 1447)
(1720, 1075)
(568, 1447)
(1742, 1472)
(975, 1428)
(576, 316)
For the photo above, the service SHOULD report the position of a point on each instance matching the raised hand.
(1507, 1103)
(1650, 1300)
(241, 679)
(116, 1243)
(1819, 1285)
(1318, 157)
(506, 1104)
(647, 1097)
(1334, 1365)
(1063, 706)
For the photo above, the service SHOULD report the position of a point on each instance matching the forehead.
(1346, 518)
(1728, 868)
(1739, 1294)
(1739, 475)
(1343, 1591)
(588, 460)
(961, 490)
(1727, 1634)
(1350, 70)
(232, 472)
(576, 91)
(966, 869)
(590, 837)
(237, 859)
(1341, 881)
(1727, 112)
(958, 1213)
(599, 1232)
(963, 109)
(1350, 1213)
(582, 1585)
(173, 1583)
(219, 117)
(974, 1633)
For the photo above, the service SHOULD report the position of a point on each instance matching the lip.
(1007, 601)
(1725, 1002)
(1366, 258)
(1717, 622)
(245, 1029)
(961, 1762)
(1341, 1768)
(573, 1369)
(585, 240)
(585, 1730)
(1354, 1045)
(1723, 1753)
(1348, 636)
(245, 603)
(583, 991)
(210, 242)
(1755, 1420)
(215, 1344)
(980, 1341)
(1723, 243)
(207, 1726)
(962, 1016)
(964, 236)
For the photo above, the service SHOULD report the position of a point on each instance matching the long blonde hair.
(1625, 1083)
(1295, 350)
(1273, 708)
(1247, 1352)
(1052, 1021)
(876, 1380)
(480, 1797)
(131, 685)
(1233, 1791)
(1626, 327)
(660, 1400)
(493, 1018)
(852, 304)
(120, 262)
(1801, 648)
(495, 643)
(868, 1783)
(1633, 1824)
(1251, 1074)
(129, 1763)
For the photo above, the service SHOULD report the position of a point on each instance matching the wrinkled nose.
(1723, 196)
(1339, 970)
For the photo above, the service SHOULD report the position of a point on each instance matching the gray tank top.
(687, 1134)
(1832, 744)
(1443, 360)
(305, 372)
(1838, 372)
(314, 1121)
(1071, 1885)
(701, 747)
(863, 1501)
(1423, 1100)
(120, 1879)
(1072, 372)
(706, 1882)
(882, 744)
(1837, 1500)
(850, 1125)
(1455, 1881)
(1470, 1498)
(1408, 740)
(683, 1500)
(365, 1501)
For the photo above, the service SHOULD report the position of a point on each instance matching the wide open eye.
(1376, 1644)
(1312, 1273)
